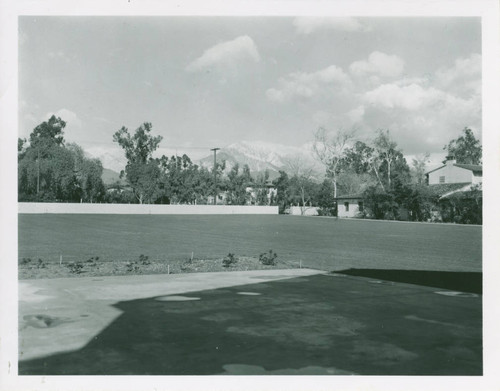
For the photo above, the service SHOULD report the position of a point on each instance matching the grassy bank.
(321, 243)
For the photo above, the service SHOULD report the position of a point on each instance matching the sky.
(207, 82)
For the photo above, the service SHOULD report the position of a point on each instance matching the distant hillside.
(262, 156)
(109, 177)
(256, 166)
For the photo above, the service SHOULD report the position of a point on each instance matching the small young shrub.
(268, 258)
(92, 262)
(326, 211)
(229, 260)
(41, 264)
(135, 266)
(25, 262)
(144, 260)
(132, 266)
(75, 267)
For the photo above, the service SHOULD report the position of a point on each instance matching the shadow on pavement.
(321, 325)
(458, 281)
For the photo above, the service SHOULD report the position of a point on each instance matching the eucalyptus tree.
(142, 170)
(466, 148)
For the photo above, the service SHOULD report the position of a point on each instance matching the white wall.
(33, 207)
(353, 208)
(452, 174)
(477, 178)
(309, 211)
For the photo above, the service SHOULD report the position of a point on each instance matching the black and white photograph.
(279, 195)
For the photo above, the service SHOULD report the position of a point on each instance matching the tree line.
(49, 169)
(390, 187)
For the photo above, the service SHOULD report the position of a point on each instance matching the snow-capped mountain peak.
(261, 156)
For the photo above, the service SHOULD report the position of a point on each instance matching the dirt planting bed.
(33, 269)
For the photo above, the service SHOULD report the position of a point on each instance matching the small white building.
(350, 205)
(453, 172)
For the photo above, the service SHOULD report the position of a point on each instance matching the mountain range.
(258, 155)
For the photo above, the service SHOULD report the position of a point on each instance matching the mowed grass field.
(322, 243)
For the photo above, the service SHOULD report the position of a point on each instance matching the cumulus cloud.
(309, 24)
(66, 115)
(378, 63)
(356, 115)
(410, 97)
(242, 48)
(423, 111)
(306, 85)
(421, 118)
(322, 117)
(464, 75)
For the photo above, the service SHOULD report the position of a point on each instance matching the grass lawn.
(323, 243)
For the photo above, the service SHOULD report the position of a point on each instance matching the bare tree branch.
(330, 148)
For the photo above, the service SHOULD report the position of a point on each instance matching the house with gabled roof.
(453, 172)
(453, 179)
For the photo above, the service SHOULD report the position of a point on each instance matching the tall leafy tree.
(359, 169)
(282, 185)
(184, 181)
(325, 198)
(140, 146)
(142, 170)
(380, 204)
(260, 186)
(357, 158)
(387, 150)
(49, 133)
(21, 147)
(467, 148)
(399, 172)
(46, 167)
(145, 179)
(200, 184)
(236, 185)
(88, 173)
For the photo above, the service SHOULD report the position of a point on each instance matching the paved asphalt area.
(299, 322)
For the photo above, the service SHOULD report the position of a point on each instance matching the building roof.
(445, 188)
(466, 189)
(440, 167)
(470, 167)
(350, 196)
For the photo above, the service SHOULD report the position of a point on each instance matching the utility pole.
(215, 174)
(38, 173)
